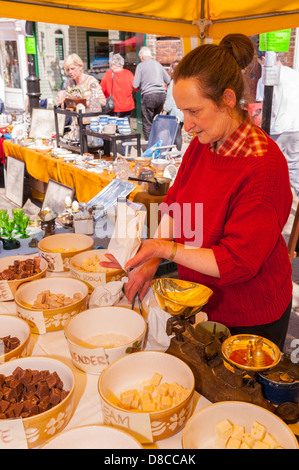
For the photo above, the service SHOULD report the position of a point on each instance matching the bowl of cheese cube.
(58, 249)
(46, 304)
(86, 267)
(237, 425)
(148, 393)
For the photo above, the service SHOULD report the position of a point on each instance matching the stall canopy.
(192, 18)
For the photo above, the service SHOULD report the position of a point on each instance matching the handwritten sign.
(54, 260)
(12, 434)
(5, 292)
(92, 360)
(137, 423)
(34, 317)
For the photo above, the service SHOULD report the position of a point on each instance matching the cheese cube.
(233, 443)
(166, 402)
(244, 446)
(156, 379)
(145, 398)
(238, 432)
(258, 431)
(268, 439)
(220, 443)
(163, 389)
(224, 430)
(135, 402)
(260, 445)
(148, 406)
(127, 397)
(148, 388)
(174, 389)
(248, 439)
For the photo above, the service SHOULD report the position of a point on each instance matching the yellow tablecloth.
(43, 167)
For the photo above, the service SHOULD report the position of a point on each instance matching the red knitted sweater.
(246, 202)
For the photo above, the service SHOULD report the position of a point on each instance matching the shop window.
(97, 50)
(59, 46)
(10, 64)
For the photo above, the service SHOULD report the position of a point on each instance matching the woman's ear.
(229, 98)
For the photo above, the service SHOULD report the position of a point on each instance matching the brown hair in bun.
(218, 67)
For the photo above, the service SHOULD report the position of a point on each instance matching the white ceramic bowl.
(59, 249)
(15, 327)
(144, 161)
(93, 279)
(8, 288)
(199, 432)
(92, 437)
(85, 331)
(40, 427)
(159, 164)
(129, 373)
(50, 319)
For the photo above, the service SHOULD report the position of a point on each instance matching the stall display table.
(114, 138)
(84, 132)
(87, 184)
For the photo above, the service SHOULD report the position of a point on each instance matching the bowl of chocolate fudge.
(39, 391)
(15, 270)
(14, 337)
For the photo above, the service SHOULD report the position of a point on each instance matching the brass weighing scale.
(217, 376)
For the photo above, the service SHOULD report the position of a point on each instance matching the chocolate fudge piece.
(25, 393)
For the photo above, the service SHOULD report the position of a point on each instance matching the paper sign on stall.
(5, 292)
(35, 317)
(138, 424)
(12, 434)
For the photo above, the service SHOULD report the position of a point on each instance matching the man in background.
(284, 128)
(150, 78)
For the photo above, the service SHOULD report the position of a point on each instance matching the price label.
(271, 75)
(138, 423)
(35, 318)
(5, 292)
(12, 434)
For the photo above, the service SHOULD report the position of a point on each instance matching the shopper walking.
(150, 78)
(119, 82)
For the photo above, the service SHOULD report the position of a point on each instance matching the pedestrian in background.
(121, 88)
(284, 127)
(171, 108)
(73, 66)
(150, 78)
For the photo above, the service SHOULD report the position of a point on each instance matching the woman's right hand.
(139, 279)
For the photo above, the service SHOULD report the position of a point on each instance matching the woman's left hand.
(148, 249)
(112, 263)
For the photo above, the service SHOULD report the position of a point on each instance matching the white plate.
(93, 437)
(61, 151)
(18, 132)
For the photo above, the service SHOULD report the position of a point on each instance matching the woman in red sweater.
(223, 216)
(121, 88)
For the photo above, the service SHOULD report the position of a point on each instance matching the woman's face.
(201, 115)
(75, 71)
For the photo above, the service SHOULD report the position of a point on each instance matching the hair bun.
(240, 47)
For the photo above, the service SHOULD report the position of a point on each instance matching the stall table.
(87, 184)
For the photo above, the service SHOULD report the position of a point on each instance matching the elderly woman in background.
(121, 88)
(73, 66)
